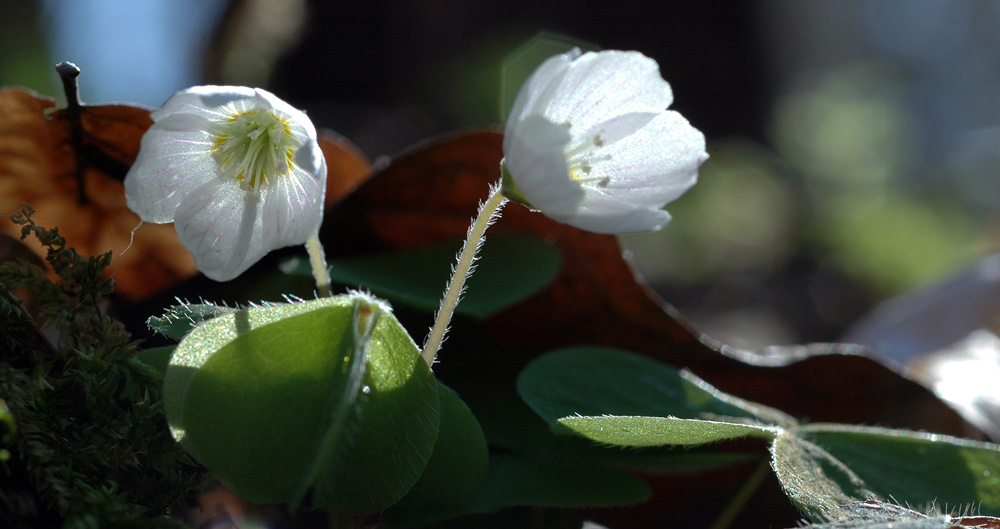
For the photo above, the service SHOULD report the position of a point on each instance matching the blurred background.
(854, 143)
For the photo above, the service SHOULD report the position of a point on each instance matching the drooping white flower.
(590, 142)
(238, 171)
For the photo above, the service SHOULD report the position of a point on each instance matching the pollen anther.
(245, 153)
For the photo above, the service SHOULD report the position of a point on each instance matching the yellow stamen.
(254, 147)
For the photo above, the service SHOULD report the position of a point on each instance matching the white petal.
(309, 158)
(228, 229)
(206, 101)
(620, 127)
(171, 164)
(538, 89)
(536, 160)
(654, 165)
(175, 154)
(308, 155)
(614, 216)
(218, 223)
(263, 98)
(600, 86)
(291, 211)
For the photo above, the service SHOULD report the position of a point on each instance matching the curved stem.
(729, 514)
(317, 259)
(488, 213)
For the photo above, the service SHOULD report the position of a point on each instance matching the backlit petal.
(614, 216)
(169, 166)
(535, 154)
(540, 87)
(600, 86)
(656, 164)
(218, 224)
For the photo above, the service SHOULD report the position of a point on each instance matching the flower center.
(578, 157)
(252, 147)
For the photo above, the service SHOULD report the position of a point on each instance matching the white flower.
(589, 142)
(237, 170)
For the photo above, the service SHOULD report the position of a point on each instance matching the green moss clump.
(83, 439)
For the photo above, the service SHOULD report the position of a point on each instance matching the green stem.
(739, 501)
(488, 213)
(318, 261)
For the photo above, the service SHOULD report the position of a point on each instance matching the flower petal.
(209, 96)
(170, 165)
(217, 224)
(538, 89)
(535, 157)
(614, 216)
(600, 86)
(654, 165)
(175, 155)
(205, 101)
(621, 126)
(291, 210)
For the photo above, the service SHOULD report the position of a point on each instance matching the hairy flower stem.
(489, 211)
(317, 259)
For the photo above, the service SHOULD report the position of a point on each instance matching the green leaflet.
(328, 397)
(620, 398)
(658, 431)
(822, 465)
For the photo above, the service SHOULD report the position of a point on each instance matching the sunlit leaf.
(514, 427)
(659, 431)
(328, 398)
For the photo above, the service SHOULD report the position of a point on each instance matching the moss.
(84, 439)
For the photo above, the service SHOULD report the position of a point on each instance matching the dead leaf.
(983, 522)
(38, 165)
(346, 166)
